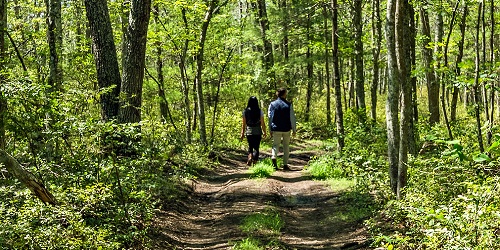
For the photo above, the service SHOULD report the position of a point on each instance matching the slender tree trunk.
(327, 67)
(284, 42)
(358, 52)
(267, 50)
(432, 85)
(492, 60)
(211, 11)
(402, 37)
(392, 106)
(106, 60)
(3, 80)
(54, 38)
(411, 57)
(339, 113)
(476, 81)
(377, 40)
(184, 81)
(438, 52)
(456, 90)
(309, 70)
(164, 112)
(352, 83)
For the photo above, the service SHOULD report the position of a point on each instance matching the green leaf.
(482, 158)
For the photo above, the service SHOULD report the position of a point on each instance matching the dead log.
(27, 178)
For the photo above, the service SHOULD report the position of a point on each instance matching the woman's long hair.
(252, 111)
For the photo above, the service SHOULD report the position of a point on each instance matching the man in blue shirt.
(281, 123)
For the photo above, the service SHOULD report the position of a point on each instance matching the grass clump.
(248, 244)
(262, 169)
(323, 168)
(267, 222)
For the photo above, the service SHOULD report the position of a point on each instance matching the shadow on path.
(314, 216)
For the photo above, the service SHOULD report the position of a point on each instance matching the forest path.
(314, 216)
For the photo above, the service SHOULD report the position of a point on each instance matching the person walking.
(281, 123)
(253, 126)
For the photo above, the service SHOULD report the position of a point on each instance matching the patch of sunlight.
(340, 184)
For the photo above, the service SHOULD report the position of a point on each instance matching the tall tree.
(403, 55)
(213, 8)
(339, 113)
(54, 38)
(3, 78)
(327, 65)
(376, 47)
(260, 8)
(309, 68)
(358, 53)
(427, 57)
(134, 62)
(461, 42)
(106, 60)
(476, 81)
(392, 105)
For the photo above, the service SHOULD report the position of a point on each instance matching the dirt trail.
(211, 216)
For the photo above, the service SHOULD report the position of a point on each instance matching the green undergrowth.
(263, 168)
(263, 229)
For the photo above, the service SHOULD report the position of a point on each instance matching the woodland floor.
(211, 215)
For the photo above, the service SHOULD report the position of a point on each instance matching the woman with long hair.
(253, 127)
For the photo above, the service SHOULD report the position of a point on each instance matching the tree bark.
(267, 50)
(309, 70)
(476, 82)
(327, 67)
(211, 11)
(184, 81)
(432, 84)
(456, 90)
(377, 40)
(339, 113)
(106, 60)
(54, 39)
(358, 53)
(134, 62)
(402, 52)
(3, 80)
(27, 178)
(392, 105)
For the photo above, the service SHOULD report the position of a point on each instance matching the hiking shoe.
(275, 164)
(286, 168)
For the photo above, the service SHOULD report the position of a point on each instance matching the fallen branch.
(27, 178)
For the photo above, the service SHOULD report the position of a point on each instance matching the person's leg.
(250, 149)
(286, 147)
(258, 138)
(276, 148)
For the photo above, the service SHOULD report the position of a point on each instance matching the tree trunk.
(106, 60)
(184, 81)
(164, 110)
(309, 70)
(3, 80)
(134, 62)
(476, 82)
(392, 106)
(492, 60)
(25, 177)
(402, 37)
(339, 113)
(377, 40)
(358, 52)
(456, 90)
(267, 50)
(432, 84)
(211, 11)
(284, 42)
(54, 38)
(327, 67)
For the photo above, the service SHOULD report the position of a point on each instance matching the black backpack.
(252, 117)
